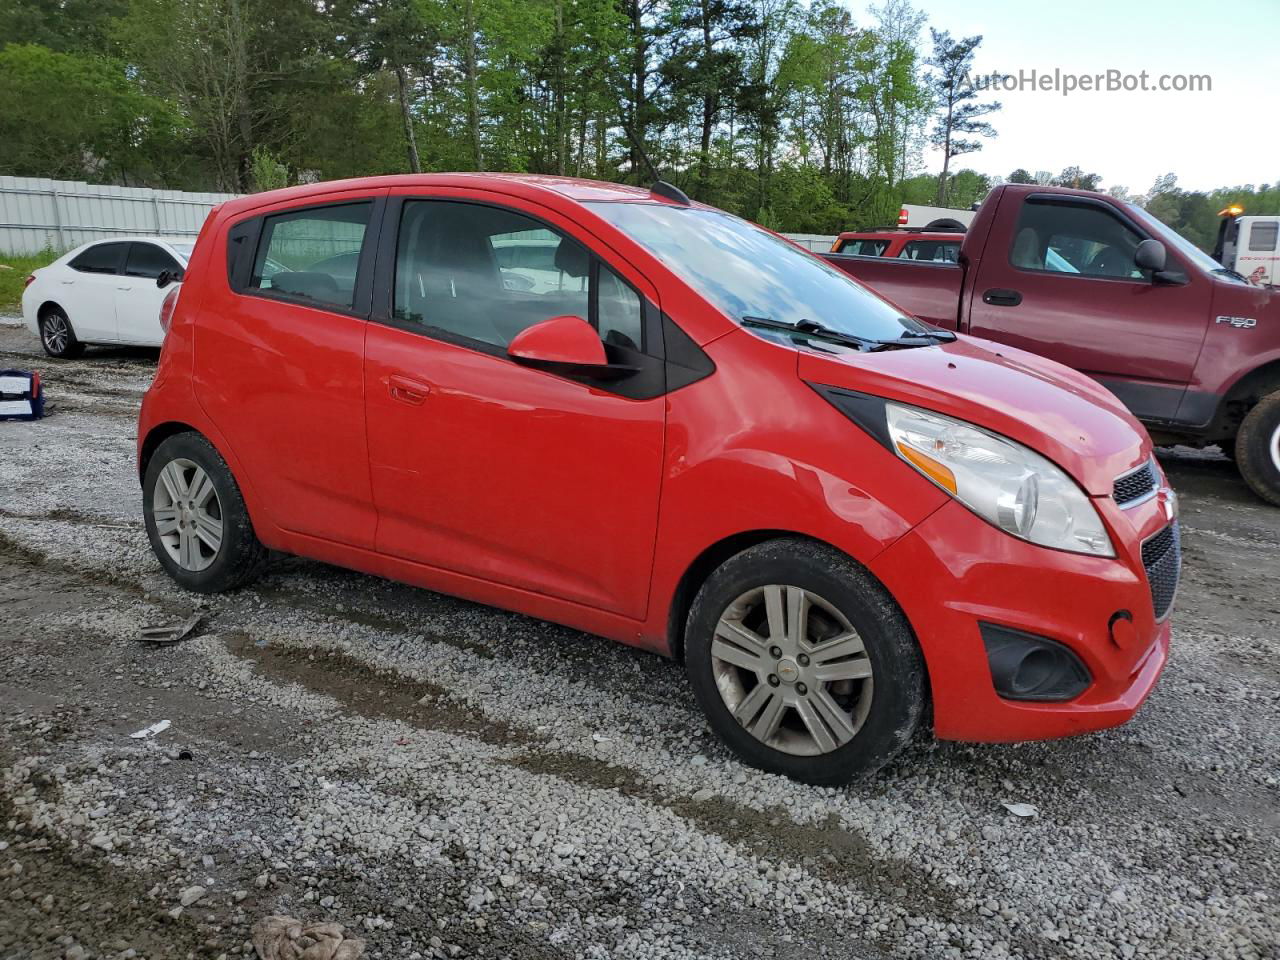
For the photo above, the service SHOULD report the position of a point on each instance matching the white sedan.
(108, 291)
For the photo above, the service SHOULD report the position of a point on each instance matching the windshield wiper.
(811, 328)
(911, 338)
(1228, 272)
(916, 338)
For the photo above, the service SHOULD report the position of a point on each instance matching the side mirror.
(167, 277)
(1150, 255)
(564, 344)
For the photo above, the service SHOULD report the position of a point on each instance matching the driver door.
(137, 297)
(540, 482)
(1061, 282)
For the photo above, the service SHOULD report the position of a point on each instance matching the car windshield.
(748, 272)
(1198, 257)
(183, 249)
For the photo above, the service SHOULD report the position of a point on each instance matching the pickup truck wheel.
(1258, 449)
(803, 663)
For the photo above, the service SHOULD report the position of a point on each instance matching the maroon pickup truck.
(1100, 285)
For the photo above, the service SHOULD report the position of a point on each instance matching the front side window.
(1074, 238)
(100, 258)
(1262, 237)
(312, 254)
(934, 251)
(148, 260)
(747, 272)
(486, 274)
(864, 247)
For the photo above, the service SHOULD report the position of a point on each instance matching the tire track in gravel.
(826, 849)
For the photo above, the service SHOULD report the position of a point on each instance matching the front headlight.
(1001, 481)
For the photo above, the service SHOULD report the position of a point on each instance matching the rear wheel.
(57, 335)
(196, 519)
(1258, 449)
(803, 663)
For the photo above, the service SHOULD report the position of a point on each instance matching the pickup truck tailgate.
(930, 291)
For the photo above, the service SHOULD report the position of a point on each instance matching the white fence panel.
(815, 242)
(36, 213)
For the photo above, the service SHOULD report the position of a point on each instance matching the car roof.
(905, 234)
(528, 185)
(142, 239)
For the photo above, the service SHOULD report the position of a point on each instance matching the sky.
(1226, 137)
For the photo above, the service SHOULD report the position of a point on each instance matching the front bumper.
(955, 571)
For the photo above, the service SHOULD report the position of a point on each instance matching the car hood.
(1063, 415)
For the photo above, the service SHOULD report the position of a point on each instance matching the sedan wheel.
(792, 670)
(188, 515)
(56, 335)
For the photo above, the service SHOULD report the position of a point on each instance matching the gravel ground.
(449, 780)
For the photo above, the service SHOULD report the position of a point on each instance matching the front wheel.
(57, 335)
(196, 518)
(803, 663)
(1258, 449)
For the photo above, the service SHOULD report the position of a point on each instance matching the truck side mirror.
(1150, 255)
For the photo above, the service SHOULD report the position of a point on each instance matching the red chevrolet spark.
(648, 419)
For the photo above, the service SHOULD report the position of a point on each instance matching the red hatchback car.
(654, 421)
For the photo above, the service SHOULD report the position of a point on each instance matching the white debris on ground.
(444, 780)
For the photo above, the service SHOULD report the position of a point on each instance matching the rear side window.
(100, 258)
(864, 248)
(934, 251)
(312, 254)
(1262, 236)
(148, 260)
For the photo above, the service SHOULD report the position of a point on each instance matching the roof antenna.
(660, 187)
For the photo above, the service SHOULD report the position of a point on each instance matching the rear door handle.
(408, 391)
(998, 297)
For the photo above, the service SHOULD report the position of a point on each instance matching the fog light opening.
(1029, 667)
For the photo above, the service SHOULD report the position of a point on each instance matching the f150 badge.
(1240, 323)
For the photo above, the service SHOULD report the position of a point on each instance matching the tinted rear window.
(100, 258)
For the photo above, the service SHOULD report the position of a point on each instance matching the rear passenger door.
(88, 293)
(483, 467)
(280, 349)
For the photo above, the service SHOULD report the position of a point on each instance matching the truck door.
(1058, 279)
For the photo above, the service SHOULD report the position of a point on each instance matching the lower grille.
(1162, 557)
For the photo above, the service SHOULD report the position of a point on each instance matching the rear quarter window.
(309, 255)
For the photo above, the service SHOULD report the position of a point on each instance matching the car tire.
(820, 714)
(1258, 448)
(196, 517)
(57, 336)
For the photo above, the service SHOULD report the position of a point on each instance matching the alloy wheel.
(187, 514)
(792, 670)
(56, 333)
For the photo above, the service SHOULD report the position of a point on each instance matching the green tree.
(74, 116)
(959, 112)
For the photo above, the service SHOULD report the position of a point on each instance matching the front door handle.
(412, 392)
(998, 297)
